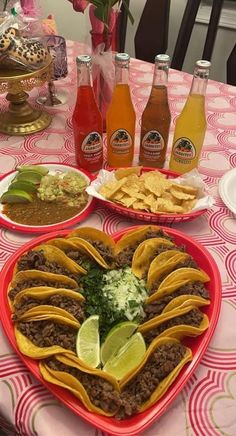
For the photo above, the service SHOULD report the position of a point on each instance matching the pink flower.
(97, 25)
(80, 5)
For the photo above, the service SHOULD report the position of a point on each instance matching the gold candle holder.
(21, 118)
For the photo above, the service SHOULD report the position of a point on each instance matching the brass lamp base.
(21, 118)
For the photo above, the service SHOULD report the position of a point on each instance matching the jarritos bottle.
(121, 117)
(87, 120)
(156, 118)
(191, 124)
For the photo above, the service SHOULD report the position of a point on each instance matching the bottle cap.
(122, 57)
(83, 59)
(203, 64)
(162, 58)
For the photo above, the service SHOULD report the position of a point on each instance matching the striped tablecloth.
(207, 404)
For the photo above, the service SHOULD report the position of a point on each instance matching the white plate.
(53, 169)
(227, 189)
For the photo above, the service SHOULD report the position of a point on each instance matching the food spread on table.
(150, 192)
(105, 320)
(37, 197)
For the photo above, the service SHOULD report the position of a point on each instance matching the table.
(207, 404)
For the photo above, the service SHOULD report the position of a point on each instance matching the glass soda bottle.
(191, 124)
(156, 118)
(121, 117)
(87, 120)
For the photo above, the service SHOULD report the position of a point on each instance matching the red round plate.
(6, 179)
(161, 218)
(140, 422)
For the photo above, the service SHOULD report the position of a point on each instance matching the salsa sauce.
(41, 213)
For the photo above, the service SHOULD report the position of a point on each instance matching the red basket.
(162, 218)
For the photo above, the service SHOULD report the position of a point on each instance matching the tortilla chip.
(124, 172)
(186, 188)
(109, 189)
(180, 195)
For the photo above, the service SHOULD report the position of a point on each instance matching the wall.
(76, 26)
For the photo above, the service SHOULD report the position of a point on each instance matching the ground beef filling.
(47, 333)
(35, 283)
(77, 256)
(37, 260)
(156, 307)
(193, 318)
(159, 365)
(105, 251)
(100, 391)
(187, 263)
(75, 307)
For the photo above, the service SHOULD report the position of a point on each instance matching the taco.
(50, 259)
(34, 278)
(79, 250)
(146, 252)
(41, 333)
(102, 242)
(97, 390)
(162, 363)
(35, 298)
(185, 321)
(128, 243)
(165, 263)
(182, 281)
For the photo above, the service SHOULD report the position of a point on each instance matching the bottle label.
(152, 144)
(92, 146)
(184, 150)
(121, 142)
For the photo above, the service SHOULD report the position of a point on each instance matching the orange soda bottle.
(191, 124)
(87, 120)
(121, 117)
(156, 118)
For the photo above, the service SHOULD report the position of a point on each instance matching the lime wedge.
(127, 358)
(16, 196)
(23, 185)
(36, 168)
(29, 176)
(116, 338)
(88, 342)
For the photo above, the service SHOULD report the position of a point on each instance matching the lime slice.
(127, 358)
(16, 196)
(88, 342)
(116, 338)
(36, 168)
(29, 176)
(23, 186)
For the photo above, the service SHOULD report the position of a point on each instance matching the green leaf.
(100, 13)
(131, 18)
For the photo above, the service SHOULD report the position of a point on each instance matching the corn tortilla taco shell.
(164, 262)
(70, 382)
(177, 279)
(167, 381)
(144, 253)
(178, 330)
(79, 244)
(134, 236)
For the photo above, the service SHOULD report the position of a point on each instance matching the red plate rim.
(140, 422)
(22, 228)
(161, 216)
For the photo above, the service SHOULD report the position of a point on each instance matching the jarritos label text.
(92, 146)
(121, 142)
(152, 144)
(184, 150)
